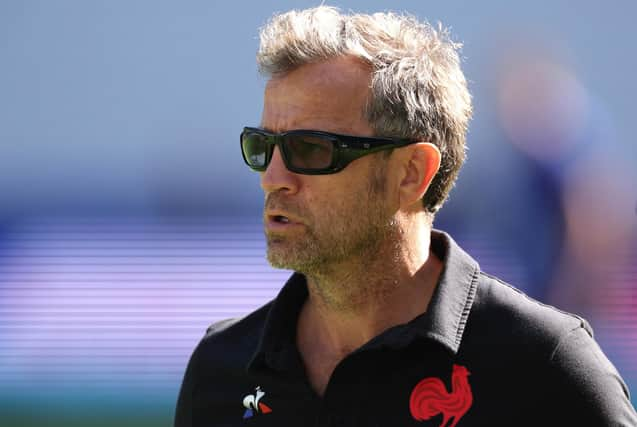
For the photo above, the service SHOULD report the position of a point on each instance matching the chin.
(279, 258)
(287, 259)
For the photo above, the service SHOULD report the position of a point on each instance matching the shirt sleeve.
(584, 386)
(183, 412)
(185, 403)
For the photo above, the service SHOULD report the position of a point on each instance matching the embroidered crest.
(253, 404)
(430, 398)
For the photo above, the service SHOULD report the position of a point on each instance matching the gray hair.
(418, 90)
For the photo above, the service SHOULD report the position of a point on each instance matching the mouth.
(278, 221)
(281, 219)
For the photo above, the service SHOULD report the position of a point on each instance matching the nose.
(277, 177)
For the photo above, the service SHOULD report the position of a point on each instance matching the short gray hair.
(418, 90)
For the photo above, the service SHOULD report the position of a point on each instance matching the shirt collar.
(443, 322)
(451, 302)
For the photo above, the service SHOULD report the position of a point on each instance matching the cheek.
(330, 197)
(341, 190)
(326, 202)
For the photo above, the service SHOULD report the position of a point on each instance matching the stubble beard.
(350, 231)
(313, 254)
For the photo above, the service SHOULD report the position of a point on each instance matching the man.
(385, 322)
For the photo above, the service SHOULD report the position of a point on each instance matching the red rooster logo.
(430, 398)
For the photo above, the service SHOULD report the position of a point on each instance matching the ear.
(421, 165)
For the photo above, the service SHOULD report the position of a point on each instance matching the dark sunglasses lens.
(255, 149)
(309, 151)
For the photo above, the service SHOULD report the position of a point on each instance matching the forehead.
(329, 95)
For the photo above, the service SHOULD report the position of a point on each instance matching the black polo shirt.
(484, 354)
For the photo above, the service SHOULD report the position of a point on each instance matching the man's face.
(329, 219)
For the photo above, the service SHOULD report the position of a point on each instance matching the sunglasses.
(310, 152)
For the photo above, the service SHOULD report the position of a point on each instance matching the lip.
(272, 224)
(273, 213)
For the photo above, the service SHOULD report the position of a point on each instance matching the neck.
(351, 303)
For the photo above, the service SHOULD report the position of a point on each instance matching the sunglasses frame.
(347, 148)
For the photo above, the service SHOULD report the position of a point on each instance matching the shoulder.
(507, 327)
(238, 328)
(216, 366)
(519, 340)
(503, 314)
(232, 342)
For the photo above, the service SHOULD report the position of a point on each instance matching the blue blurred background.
(128, 222)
